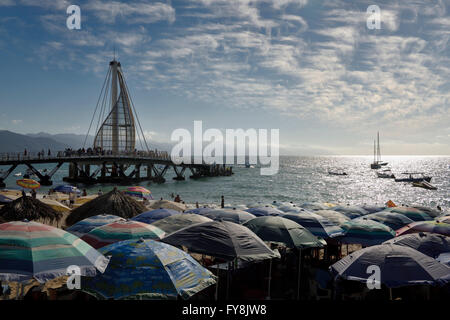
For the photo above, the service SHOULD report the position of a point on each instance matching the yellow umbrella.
(57, 206)
(83, 200)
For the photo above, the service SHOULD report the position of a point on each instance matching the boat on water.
(377, 163)
(18, 174)
(386, 174)
(337, 173)
(425, 185)
(413, 177)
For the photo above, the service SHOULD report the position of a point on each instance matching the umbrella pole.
(217, 285)
(270, 279)
(390, 294)
(299, 272)
(228, 278)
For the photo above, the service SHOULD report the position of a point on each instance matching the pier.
(122, 168)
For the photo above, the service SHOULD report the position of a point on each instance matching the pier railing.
(67, 155)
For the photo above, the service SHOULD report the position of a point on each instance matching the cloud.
(131, 12)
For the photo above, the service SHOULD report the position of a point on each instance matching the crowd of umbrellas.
(152, 255)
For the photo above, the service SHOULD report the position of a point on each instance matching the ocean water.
(302, 179)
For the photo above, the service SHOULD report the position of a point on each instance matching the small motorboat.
(337, 173)
(413, 177)
(424, 184)
(386, 173)
(18, 174)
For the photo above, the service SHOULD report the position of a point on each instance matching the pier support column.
(180, 174)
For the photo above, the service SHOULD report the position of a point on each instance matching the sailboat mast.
(115, 117)
(378, 150)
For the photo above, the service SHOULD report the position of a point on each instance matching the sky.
(310, 68)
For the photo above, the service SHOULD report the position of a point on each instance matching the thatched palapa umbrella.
(31, 209)
(114, 202)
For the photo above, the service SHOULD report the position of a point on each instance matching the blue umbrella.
(399, 266)
(265, 211)
(314, 206)
(199, 211)
(316, 224)
(431, 244)
(67, 189)
(154, 215)
(147, 269)
(86, 225)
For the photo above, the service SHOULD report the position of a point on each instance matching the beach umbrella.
(200, 211)
(373, 208)
(166, 204)
(393, 220)
(365, 232)
(337, 218)
(232, 215)
(176, 222)
(113, 202)
(399, 266)
(444, 258)
(222, 239)
(34, 250)
(265, 211)
(425, 226)
(316, 224)
(278, 229)
(412, 213)
(154, 215)
(57, 206)
(147, 269)
(351, 211)
(430, 244)
(66, 189)
(315, 206)
(121, 230)
(434, 213)
(139, 192)
(86, 225)
(4, 199)
(445, 219)
(28, 183)
(284, 206)
(237, 207)
(29, 208)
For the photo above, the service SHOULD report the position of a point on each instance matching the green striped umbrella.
(366, 232)
(121, 230)
(34, 250)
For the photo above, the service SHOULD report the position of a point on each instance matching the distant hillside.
(14, 142)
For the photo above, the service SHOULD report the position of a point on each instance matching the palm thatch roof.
(28, 208)
(114, 202)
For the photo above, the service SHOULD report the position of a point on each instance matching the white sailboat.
(377, 163)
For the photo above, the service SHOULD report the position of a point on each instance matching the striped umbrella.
(426, 226)
(412, 213)
(315, 206)
(431, 244)
(200, 211)
(154, 215)
(86, 225)
(278, 229)
(34, 250)
(121, 230)
(366, 232)
(28, 183)
(265, 211)
(139, 192)
(445, 219)
(316, 224)
(393, 220)
(147, 269)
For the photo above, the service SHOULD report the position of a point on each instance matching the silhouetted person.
(177, 198)
(222, 202)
